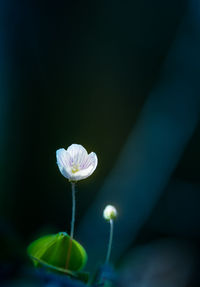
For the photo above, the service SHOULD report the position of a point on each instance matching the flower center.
(75, 168)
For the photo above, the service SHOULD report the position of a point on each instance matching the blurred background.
(74, 72)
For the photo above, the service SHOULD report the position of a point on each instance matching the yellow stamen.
(75, 168)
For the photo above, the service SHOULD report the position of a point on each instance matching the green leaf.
(58, 251)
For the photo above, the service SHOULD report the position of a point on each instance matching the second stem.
(110, 241)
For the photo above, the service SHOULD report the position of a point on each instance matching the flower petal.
(63, 161)
(88, 169)
(78, 154)
(92, 160)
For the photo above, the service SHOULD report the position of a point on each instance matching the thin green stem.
(73, 209)
(110, 241)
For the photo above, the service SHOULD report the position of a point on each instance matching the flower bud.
(110, 212)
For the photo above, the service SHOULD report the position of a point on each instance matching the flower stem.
(110, 241)
(73, 209)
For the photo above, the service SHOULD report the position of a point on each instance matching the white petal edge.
(63, 158)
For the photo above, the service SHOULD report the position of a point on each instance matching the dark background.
(74, 72)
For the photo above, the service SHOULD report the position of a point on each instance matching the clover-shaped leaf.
(58, 251)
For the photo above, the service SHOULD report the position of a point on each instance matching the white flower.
(110, 212)
(75, 163)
